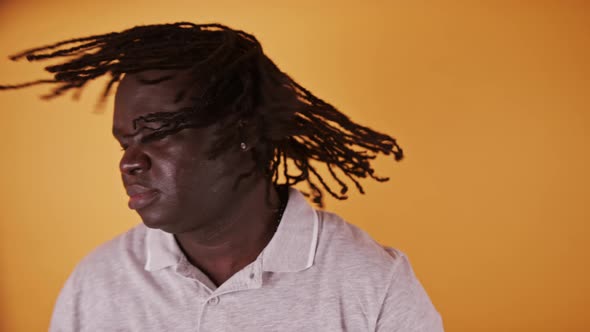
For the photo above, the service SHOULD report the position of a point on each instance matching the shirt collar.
(291, 249)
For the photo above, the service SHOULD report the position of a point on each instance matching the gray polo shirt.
(318, 273)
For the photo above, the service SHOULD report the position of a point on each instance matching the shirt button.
(213, 300)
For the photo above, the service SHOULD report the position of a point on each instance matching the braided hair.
(238, 84)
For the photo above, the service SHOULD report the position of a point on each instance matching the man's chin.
(156, 221)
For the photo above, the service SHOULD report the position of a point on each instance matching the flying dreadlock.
(237, 84)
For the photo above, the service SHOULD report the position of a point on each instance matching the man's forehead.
(155, 91)
(159, 82)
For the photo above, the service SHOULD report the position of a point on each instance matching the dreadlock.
(239, 85)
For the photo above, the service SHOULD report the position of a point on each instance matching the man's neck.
(235, 241)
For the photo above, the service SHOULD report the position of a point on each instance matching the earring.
(243, 146)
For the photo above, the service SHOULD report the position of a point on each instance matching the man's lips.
(140, 196)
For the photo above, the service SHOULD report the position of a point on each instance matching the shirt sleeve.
(406, 306)
(65, 317)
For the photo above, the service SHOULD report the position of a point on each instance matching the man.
(211, 131)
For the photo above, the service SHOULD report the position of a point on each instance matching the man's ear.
(249, 135)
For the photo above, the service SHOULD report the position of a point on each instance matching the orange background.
(490, 100)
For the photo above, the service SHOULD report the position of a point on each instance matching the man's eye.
(155, 136)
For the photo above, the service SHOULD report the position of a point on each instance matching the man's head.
(173, 182)
(197, 92)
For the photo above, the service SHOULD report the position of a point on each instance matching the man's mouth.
(140, 196)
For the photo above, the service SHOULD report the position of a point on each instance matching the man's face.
(171, 182)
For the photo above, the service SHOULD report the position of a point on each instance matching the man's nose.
(134, 161)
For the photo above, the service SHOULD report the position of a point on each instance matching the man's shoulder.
(350, 260)
(124, 250)
(349, 246)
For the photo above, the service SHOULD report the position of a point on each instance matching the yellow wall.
(490, 101)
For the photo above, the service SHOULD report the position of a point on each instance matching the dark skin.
(175, 187)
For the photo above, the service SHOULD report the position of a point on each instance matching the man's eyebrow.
(117, 133)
